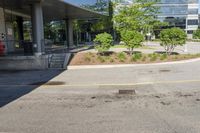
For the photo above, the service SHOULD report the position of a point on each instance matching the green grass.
(119, 46)
(123, 46)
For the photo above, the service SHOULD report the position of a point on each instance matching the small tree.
(132, 39)
(170, 38)
(103, 42)
(196, 34)
(139, 16)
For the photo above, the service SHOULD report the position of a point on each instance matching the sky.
(80, 2)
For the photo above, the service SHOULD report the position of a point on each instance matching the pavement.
(167, 100)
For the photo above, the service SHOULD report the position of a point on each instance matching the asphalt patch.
(49, 83)
(165, 70)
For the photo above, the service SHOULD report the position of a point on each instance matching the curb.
(129, 65)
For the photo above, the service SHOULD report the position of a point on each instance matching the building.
(178, 13)
(17, 15)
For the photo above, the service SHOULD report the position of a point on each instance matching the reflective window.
(178, 1)
(174, 21)
(100, 6)
(193, 22)
(192, 11)
(174, 10)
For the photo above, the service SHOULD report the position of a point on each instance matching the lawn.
(123, 46)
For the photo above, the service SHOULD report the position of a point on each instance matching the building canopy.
(52, 9)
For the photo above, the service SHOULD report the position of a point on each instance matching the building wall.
(23, 63)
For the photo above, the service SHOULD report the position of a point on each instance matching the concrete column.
(38, 28)
(2, 25)
(70, 35)
(3, 36)
(20, 30)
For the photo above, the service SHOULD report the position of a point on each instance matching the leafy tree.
(170, 38)
(103, 42)
(132, 39)
(55, 30)
(139, 16)
(104, 23)
(196, 34)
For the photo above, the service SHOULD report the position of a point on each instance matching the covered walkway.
(17, 15)
(39, 12)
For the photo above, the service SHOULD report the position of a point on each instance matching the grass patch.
(119, 46)
(136, 56)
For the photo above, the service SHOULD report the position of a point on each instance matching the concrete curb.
(130, 65)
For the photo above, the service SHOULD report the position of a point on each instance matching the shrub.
(132, 39)
(136, 57)
(153, 57)
(101, 58)
(170, 38)
(103, 42)
(163, 57)
(111, 60)
(121, 56)
(144, 58)
(196, 34)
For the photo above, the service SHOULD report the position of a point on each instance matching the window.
(192, 11)
(190, 31)
(193, 22)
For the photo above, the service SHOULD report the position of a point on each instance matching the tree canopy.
(139, 16)
(170, 38)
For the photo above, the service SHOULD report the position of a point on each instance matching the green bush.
(153, 57)
(163, 57)
(170, 38)
(196, 34)
(121, 56)
(101, 59)
(132, 39)
(144, 58)
(111, 60)
(136, 57)
(103, 42)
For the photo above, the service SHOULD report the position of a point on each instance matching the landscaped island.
(125, 58)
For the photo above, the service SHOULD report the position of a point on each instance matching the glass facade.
(100, 6)
(178, 1)
(179, 13)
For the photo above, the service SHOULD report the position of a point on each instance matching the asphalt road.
(167, 100)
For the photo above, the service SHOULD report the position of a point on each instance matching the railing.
(54, 47)
(21, 48)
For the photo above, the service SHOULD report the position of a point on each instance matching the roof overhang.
(52, 9)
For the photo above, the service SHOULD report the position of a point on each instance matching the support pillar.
(69, 33)
(20, 30)
(2, 25)
(38, 28)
